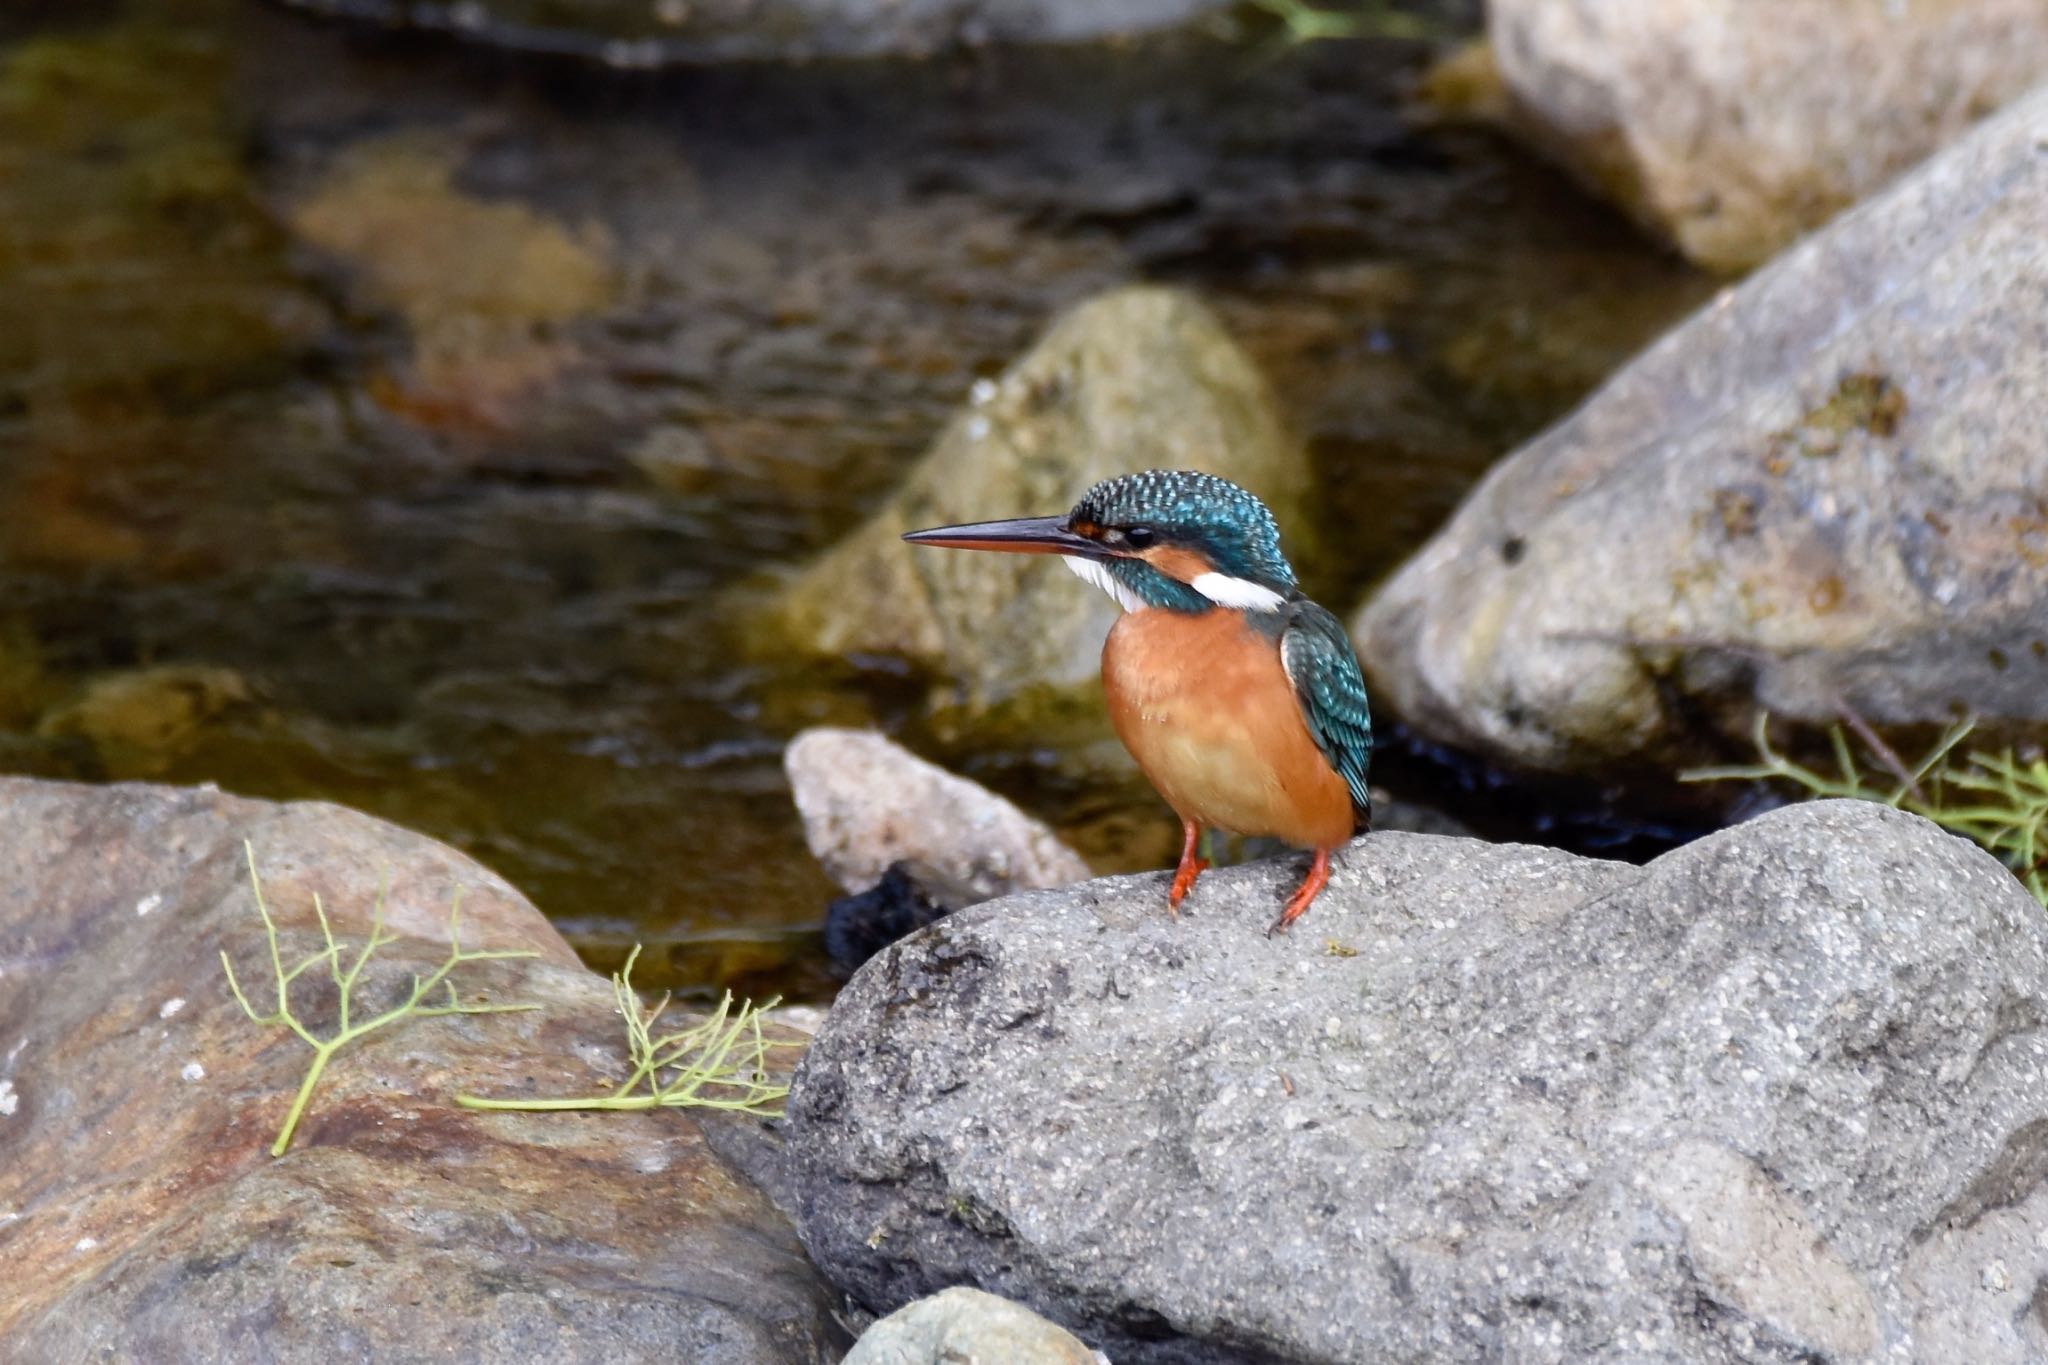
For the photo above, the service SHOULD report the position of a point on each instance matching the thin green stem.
(321, 1053)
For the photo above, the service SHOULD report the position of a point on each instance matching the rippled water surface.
(387, 422)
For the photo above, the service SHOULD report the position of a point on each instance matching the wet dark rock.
(142, 1215)
(1141, 378)
(649, 33)
(1822, 492)
(1781, 1095)
(909, 896)
(1732, 138)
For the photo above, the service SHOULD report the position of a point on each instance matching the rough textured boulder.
(1731, 128)
(868, 802)
(140, 1212)
(967, 1325)
(639, 33)
(1824, 489)
(1780, 1095)
(1142, 378)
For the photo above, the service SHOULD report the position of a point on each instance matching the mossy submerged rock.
(142, 1216)
(1142, 378)
(1778, 1096)
(1824, 490)
(142, 720)
(1731, 129)
(486, 287)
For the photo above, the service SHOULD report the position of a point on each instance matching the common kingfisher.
(1241, 700)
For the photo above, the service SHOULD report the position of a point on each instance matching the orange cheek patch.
(1176, 562)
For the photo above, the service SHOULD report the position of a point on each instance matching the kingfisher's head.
(1168, 538)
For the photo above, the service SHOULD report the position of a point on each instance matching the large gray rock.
(1781, 1095)
(141, 1215)
(639, 33)
(1731, 130)
(1823, 490)
(1141, 378)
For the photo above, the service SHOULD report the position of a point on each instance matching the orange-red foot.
(1190, 868)
(1311, 887)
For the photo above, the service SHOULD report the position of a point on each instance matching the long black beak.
(1024, 535)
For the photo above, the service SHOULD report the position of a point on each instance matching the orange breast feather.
(1205, 707)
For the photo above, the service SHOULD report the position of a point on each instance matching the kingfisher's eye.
(1138, 537)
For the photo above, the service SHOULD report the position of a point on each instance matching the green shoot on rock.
(720, 1063)
(1998, 801)
(417, 1002)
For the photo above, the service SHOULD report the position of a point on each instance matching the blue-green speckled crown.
(1228, 525)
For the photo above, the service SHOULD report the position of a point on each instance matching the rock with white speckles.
(1779, 1096)
(142, 1217)
(1825, 489)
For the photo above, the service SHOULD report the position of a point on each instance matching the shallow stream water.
(382, 420)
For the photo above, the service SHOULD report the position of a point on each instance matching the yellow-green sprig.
(348, 1029)
(720, 1062)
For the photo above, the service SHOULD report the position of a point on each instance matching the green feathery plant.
(1996, 800)
(347, 1027)
(719, 1063)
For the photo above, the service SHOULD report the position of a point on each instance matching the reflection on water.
(382, 421)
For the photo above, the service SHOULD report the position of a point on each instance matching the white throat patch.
(1093, 571)
(1226, 591)
(1219, 588)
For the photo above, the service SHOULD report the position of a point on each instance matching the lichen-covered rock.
(1780, 1095)
(642, 33)
(1824, 490)
(867, 803)
(1143, 378)
(967, 1325)
(141, 1214)
(1733, 131)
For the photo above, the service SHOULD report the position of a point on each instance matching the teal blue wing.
(1317, 654)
